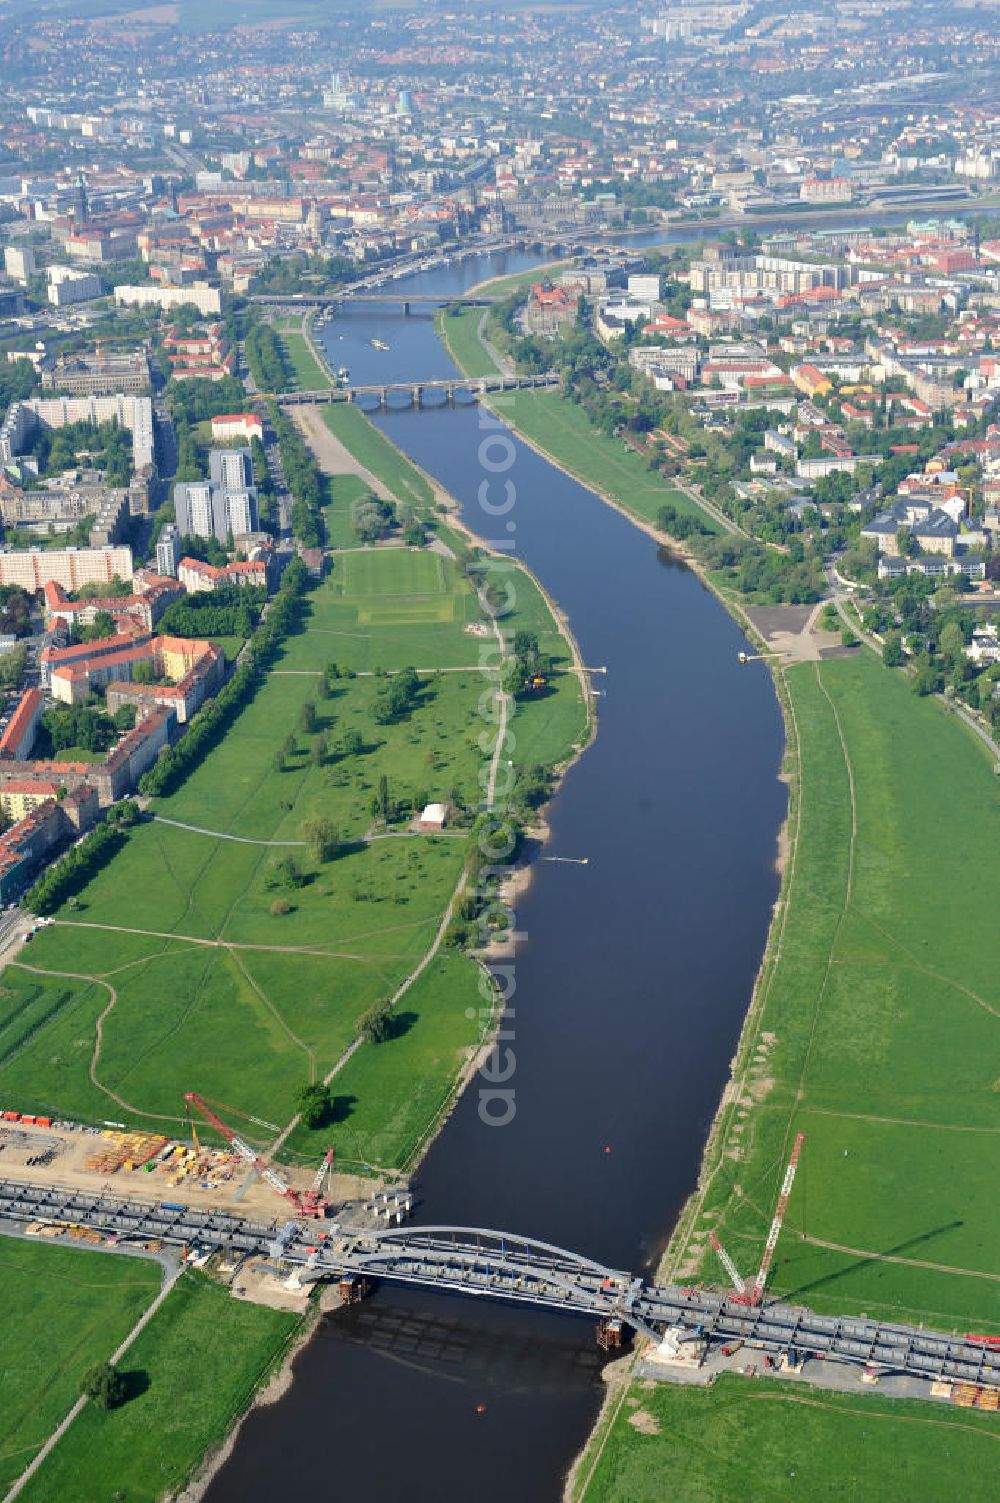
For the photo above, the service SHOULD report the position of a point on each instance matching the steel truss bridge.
(488, 1264)
(415, 391)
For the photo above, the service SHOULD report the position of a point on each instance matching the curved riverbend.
(632, 986)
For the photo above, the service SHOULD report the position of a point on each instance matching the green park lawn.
(309, 374)
(749, 1441)
(458, 329)
(64, 1310)
(177, 948)
(196, 1367)
(880, 1030)
(564, 431)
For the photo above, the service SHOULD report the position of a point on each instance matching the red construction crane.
(753, 1295)
(307, 1203)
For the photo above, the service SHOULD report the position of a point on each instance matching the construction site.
(155, 1167)
(273, 1241)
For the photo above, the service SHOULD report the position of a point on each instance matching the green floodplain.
(875, 1030)
(563, 431)
(187, 964)
(178, 1405)
(203, 985)
(64, 1310)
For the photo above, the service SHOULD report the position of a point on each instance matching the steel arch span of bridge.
(491, 1264)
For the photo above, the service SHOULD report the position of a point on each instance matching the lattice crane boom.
(308, 1204)
(738, 1282)
(757, 1292)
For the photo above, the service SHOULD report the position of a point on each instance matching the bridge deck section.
(495, 1265)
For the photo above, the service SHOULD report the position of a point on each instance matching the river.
(632, 985)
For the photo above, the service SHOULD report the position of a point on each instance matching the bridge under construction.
(356, 1248)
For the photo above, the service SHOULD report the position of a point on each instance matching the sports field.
(63, 1311)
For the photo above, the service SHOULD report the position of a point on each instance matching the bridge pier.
(418, 392)
(406, 309)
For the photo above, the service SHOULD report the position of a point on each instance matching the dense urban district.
(277, 735)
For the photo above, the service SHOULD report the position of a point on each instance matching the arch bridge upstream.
(486, 1264)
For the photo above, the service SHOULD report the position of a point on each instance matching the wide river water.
(632, 984)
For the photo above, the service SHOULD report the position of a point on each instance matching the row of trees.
(266, 359)
(83, 861)
(214, 719)
(493, 847)
(305, 483)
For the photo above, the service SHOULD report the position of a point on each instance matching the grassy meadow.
(565, 432)
(879, 1035)
(458, 331)
(742, 1442)
(182, 1404)
(369, 445)
(64, 1309)
(308, 372)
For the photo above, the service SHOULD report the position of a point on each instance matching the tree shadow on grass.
(400, 1024)
(134, 1385)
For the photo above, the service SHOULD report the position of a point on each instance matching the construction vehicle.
(306, 1203)
(754, 1293)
